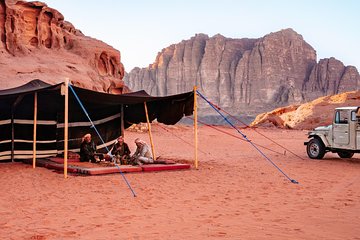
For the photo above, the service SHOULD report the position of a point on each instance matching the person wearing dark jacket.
(88, 150)
(120, 150)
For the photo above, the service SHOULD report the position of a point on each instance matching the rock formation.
(319, 112)
(36, 42)
(248, 76)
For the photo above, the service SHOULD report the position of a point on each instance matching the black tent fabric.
(17, 117)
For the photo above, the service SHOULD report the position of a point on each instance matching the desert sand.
(235, 194)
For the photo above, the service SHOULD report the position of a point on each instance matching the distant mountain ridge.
(248, 76)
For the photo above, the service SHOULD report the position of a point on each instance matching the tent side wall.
(107, 121)
(50, 126)
(22, 128)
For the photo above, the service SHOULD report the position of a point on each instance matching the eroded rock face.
(245, 75)
(330, 77)
(36, 42)
(319, 112)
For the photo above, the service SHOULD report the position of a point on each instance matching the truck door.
(341, 128)
(355, 116)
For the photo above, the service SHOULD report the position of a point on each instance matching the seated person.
(88, 150)
(120, 151)
(142, 153)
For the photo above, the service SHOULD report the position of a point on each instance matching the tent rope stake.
(93, 126)
(245, 137)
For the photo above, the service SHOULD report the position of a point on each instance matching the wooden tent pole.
(150, 135)
(66, 123)
(195, 128)
(35, 125)
(13, 107)
(12, 134)
(122, 128)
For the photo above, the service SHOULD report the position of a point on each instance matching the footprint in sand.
(38, 237)
(219, 234)
(70, 233)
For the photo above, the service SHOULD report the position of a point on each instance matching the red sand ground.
(235, 194)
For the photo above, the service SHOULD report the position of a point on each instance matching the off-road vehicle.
(341, 137)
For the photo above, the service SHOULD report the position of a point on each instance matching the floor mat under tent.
(86, 168)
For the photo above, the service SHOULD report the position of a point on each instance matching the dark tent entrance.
(38, 108)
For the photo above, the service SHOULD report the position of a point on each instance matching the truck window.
(353, 116)
(341, 117)
(356, 115)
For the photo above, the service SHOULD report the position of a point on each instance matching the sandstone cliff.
(248, 76)
(36, 42)
(319, 112)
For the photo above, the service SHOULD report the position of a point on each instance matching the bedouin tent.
(106, 111)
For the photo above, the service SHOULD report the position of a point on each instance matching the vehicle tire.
(345, 154)
(315, 149)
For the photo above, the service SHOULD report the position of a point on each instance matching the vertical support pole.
(12, 133)
(195, 128)
(13, 107)
(150, 135)
(122, 120)
(35, 125)
(66, 123)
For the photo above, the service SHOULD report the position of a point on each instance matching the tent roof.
(32, 86)
(168, 109)
(106, 98)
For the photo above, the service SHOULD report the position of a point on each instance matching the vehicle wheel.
(315, 149)
(345, 154)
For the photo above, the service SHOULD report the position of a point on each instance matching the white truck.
(341, 137)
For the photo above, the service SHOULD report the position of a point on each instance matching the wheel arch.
(322, 138)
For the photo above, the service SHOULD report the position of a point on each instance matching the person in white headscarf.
(88, 149)
(142, 154)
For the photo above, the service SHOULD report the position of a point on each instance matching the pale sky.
(140, 29)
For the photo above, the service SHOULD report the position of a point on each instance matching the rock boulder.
(319, 112)
(36, 42)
